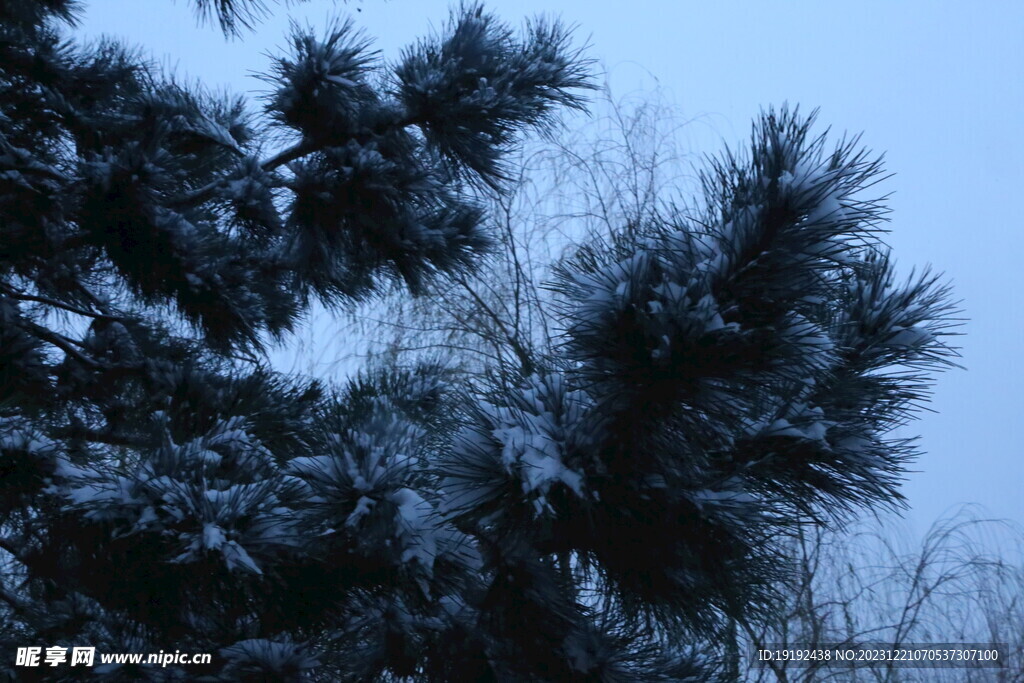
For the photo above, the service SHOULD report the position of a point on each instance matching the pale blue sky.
(937, 86)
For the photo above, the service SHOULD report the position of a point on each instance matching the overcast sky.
(936, 86)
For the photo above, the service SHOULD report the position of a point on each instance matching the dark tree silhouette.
(596, 514)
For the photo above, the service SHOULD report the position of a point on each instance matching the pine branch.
(107, 437)
(21, 296)
(290, 154)
(16, 603)
(13, 547)
(65, 344)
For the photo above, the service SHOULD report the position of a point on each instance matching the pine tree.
(685, 403)
(602, 513)
(726, 375)
(161, 488)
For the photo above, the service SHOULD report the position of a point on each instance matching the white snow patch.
(911, 336)
(363, 507)
(415, 531)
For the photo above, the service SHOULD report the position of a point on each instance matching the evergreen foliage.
(596, 515)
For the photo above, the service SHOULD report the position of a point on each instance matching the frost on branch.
(732, 378)
(520, 456)
(472, 87)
